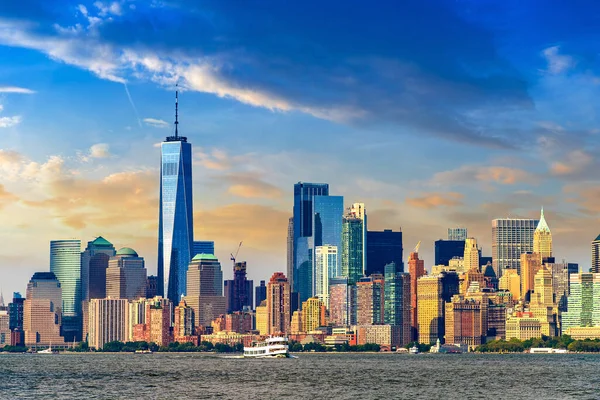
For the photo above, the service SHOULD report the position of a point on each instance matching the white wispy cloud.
(557, 63)
(15, 89)
(100, 150)
(157, 123)
(7, 122)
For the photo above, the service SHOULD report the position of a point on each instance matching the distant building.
(126, 276)
(183, 327)
(523, 326)
(42, 311)
(239, 290)
(313, 314)
(65, 263)
(511, 281)
(595, 255)
(432, 293)
(542, 303)
(383, 335)
(107, 321)
(203, 247)
(290, 257)
(561, 278)
(205, 289)
(339, 302)
(463, 322)
(397, 301)
(262, 318)
(511, 238)
(542, 239)
(94, 262)
(458, 234)
(416, 269)
(152, 286)
(296, 324)
(446, 250)
(157, 325)
(583, 301)
(15, 323)
(354, 243)
(260, 294)
(370, 300)
(278, 304)
(384, 247)
(531, 263)
(471, 255)
(326, 267)
(4, 328)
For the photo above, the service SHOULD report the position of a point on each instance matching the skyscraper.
(15, 322)
(278, 304)
(290, 254)
(304, 240)
(583, 301)
(94, 262)
(531, 263)
(65, 263)
(339, 301)
(175, 222)
(511, 238)
(542, 239)
(397, 300)
(384, 247)
(326, 268)
(108, 321)
(260, 294)
(239, 290)
(313, 314)
(126, 276)
(433, 292)
(205, 289)
(370, 300)
(42, 310)
(596, 255)
(203, 247)
(458, 234)
(471, 255)
(327, 221)
(446, 250)
(416, 269)
(353, 239)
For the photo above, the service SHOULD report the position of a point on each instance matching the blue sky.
(434, 113)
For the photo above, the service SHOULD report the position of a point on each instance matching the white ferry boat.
(546, 350)
(414, 350)
(49, 350)
(272, 347)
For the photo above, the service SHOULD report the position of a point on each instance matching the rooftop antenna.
(176, 108)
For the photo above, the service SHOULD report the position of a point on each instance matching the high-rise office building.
(446, 250)
(290, 253)
(42, 310)
(596, 255)
(157, 322)
(463, 321)
(108, 321)
(94, 262)
(5, 336)
(511, 282)
(471, 255)
(239, 290)
(370, 300)
(531, 263)
(353, 239)
(457, 234)
(65, 263)
(183, 326)
(416, 269)
(205, 289)
(542, 239)
(203, 247)
(326, 268)
(340, 301)
(152, 286)
(327, 222)
(15, 321)
(561, 278)
(397, 301)
(126, 276)
(433, 292)
(175, 222)
(583, 301)
(262, 318)
(384, 247)
(260, 293)
(542, 303)
(278, 304)
(511, 238)
(312, 315)
(304, 238)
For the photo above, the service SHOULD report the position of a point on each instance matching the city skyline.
(539, 150)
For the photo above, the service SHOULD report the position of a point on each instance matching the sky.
(435, 114)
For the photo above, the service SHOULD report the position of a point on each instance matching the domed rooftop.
(127, 251)
(203, 256)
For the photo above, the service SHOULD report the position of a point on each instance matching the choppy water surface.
(311, 376)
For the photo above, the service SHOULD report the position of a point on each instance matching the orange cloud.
(473, 174)
(575, 162)
(434, 200)
(6, 197)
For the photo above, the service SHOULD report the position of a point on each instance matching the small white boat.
(47, 351)
(414, 350)
(147, 351)
(272, 347)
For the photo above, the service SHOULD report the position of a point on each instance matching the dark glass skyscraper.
(203, 247)
(383, 247)
(260, 294)
(327, 221)
(446, 250)
(94, 262)
(304, 241)
(238, 291)
(175, 222)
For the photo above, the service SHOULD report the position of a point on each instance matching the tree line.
(561, 342)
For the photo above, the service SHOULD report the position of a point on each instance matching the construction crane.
(417, 247)
(233, 257)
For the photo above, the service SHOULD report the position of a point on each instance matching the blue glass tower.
(175, 222)
(65, 263)
(304, 243)
(328, 212)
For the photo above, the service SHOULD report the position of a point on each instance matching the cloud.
(105, 9)
(585, 195)
(157, 123)
(557, 63)
(7, 122)
(471, 174)
(575, 162)
(435, 200)
(15, 89)
(6, 197)
(100, 150)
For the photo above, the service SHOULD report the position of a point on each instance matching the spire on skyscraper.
(542, 225)
(1, 299)
(176, 111)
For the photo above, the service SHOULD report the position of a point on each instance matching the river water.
(310, 376)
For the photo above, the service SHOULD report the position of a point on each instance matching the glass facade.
(175, 231)
(326, 268)
(457, 234)
(583, 303)
(65, 263)
(383, 247)
(203, 247)
(94, 262)
(304, 240)
(510, 239)
(352, 249)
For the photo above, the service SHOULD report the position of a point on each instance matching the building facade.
(446, 250)
(94, 262)
(126, 276)
(65, 263)
(370, 300)
(326, 268)
(397, 301)
(108, 321)
(203, 247)
(416, 269)
(175, 222)
(352, 248)
(463, 322)
(313, 314)
(239, 290)
(260, 294)
(384, 247)
(205, 289)
(542, 239)
(511, 282)
(583, 301)
(471, 255)
(457, 234)
(42, 311)
(596, 255)
(511, 238)
(278, 304)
